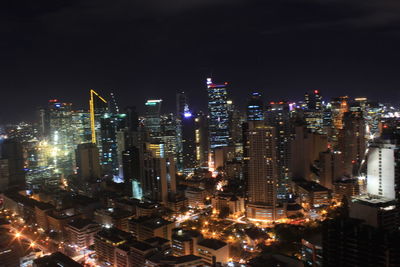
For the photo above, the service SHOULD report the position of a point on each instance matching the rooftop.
(151, 222)
(311, 186)
(214, 244)
(56, 259)
(80, 223)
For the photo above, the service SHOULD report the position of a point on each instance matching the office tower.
(188, 139)
(202, 138)
(352, 141)
(158, 182)
(81, 127)
(132, 171)
(383, 171)
(305, 148)
(313, 111)
(331, 164)
(169, 135)
(181, 104)
(339, 107)
(278, 116)
(12, 164)
(234, 126)
(152, 119)
(313, 100)
(87, 162)
(61, 134)
(110, 124)
(255, 108)
(218, 114)
(261, 171)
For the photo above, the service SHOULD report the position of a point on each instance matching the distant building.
(218, 112)
(184, 242)
(312, 194)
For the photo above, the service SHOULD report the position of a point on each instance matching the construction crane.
(93, 93)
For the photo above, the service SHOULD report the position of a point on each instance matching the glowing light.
(18, 235)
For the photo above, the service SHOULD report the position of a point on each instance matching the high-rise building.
(131, 160)
(202, 139)
(352, 141)
(188, 139)
(87, 162)
(12, 172)
(152, 121)
(313, 111)
(305, 148)
(383, 172)
(218, 114)
(255, 108)
(110, 124)
(261, 172)
(331, 167)
(278, 116)
(61, 134)
(159, 183)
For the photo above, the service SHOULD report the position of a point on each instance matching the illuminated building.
(106, 241)
(87, 162)
(61, 134)
(113, 217)
(234, 126)
(339, 107)
(144, 228)
(213, 251)
(110, 124)
(383, 174)
(152, 120)
(311, 251)
(255, 108)
(313, 111)
(218, 114)
(312, 194)
(188, 139)
(261, 171)
(169, 136)
(81, 127)
(81, 232)
(184, 242)
(278, 116)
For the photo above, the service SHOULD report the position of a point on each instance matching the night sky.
(152, 48)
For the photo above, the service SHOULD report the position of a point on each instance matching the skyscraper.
(12, 172)
(255, 108)
(218, 114)
(87, 162)
(313, 111)
(383, 175)
(278, 116)
(152, 121)
(261, 172)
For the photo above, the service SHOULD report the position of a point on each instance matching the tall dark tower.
(12, 163)
(255, 108)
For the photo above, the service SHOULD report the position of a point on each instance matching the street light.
(17, 235)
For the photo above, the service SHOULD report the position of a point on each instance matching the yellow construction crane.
(92, 117)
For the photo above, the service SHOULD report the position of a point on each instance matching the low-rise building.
(213, 251)
(184, 242)
(81, 232)
(55, 259)
(195, 196)
(114, 217)
(105, 242)
(147, 227)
